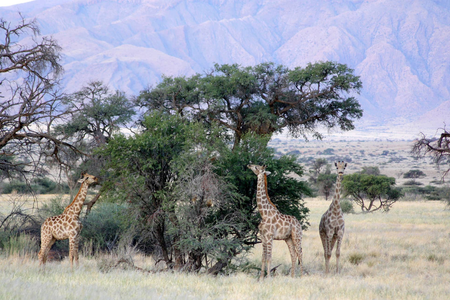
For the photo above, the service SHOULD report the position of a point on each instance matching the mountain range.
(399, 48)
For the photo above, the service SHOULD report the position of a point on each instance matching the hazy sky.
(12, 2)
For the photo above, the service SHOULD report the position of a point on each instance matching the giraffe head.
(258, 169)
(89, 179)
(340, 167)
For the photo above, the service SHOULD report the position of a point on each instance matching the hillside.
(400, 48)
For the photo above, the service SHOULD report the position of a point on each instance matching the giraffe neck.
(265, 206)
(335, 203)
(75, 207)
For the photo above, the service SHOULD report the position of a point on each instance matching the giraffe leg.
(331, 242)
(269, 256)
(263, 261)
(297, 238)
(338, 253)
(326, 254)
(46, 245)
(73, 247)
(290, 244)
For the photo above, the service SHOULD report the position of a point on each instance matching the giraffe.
(67, 225)
(332, 225)
(275, 225)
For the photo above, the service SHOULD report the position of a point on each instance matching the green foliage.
(319, 166)
(53, 207)
(326, 181)
(414, 174)
(104, 227)
(356, 258)
(190, 194)
(414, 189)
(370, 171)
(284, 191)
(412, 182)
(347, 206)
(263, 99)
(328, 151)
(18, 186)
(21, 245)
(37, 185)
(98, 113)
(371, 192)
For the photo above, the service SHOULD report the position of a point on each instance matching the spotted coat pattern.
(275, 225)
(332, 225)
(67, 225)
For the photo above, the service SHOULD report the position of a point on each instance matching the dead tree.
(439, 148)
(30, 103)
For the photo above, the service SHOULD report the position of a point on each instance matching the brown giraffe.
(67, 225)
(275, 226)
(332, 224)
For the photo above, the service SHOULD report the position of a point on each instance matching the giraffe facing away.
(332, 225)
(275, 225)
(67, 225)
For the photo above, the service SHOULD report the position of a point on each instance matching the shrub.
(103, 227)
(37, 185)
(347, 206)
(19, 187)
(435, 258)
(412, 182)
(414, 174)
(54, 207)
(328, 151)
(356, 258)
(21, 245)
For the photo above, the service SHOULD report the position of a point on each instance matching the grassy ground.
(402, 254)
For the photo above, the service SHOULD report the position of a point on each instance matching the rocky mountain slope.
(400, 48)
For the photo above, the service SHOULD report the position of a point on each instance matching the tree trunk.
(162, 243)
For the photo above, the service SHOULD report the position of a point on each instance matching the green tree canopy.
(96, 113)
(191, 196)
(414, 173)
(371, 192)
(325, 182)
(263, 99)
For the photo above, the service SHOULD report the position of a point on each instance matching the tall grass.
(402, 254)
(20, 245)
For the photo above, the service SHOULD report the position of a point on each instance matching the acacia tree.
(95, 115)
(371, 192)
(29, 100)
(325, 182)
(318, 167)
(263, 99)
(192, 198)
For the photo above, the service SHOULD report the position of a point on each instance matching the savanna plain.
(401, 254)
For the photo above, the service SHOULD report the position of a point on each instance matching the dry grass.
(399, 255)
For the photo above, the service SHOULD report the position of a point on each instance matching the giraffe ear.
(268, 173)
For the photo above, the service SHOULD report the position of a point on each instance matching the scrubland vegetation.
(176, 216)
(402, 254)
